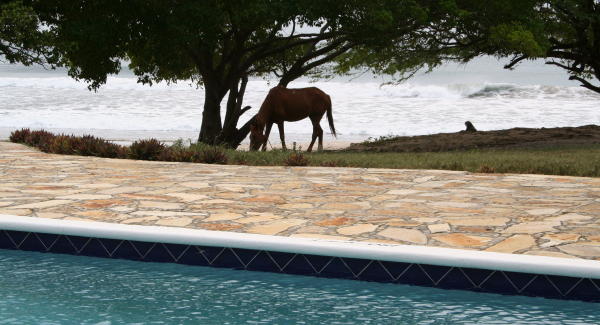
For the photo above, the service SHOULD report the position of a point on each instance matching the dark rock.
(470, 127)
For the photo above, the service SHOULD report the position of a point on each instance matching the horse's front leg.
(267, 131)
(281, 135)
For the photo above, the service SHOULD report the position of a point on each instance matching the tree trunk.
(231, 136)
(211, 115)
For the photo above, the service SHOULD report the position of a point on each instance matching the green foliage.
(40, 139)
(572, 160)
(86, 145)
(212, 155)
(514, 38)
(150, 149)
(21, 39)
(19, 136)
(296, 158)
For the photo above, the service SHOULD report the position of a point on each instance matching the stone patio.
(522, 214)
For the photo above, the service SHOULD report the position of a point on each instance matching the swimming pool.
(63, 289)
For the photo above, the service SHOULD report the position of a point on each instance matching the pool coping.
(449, 257)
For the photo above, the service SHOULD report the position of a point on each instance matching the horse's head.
(257, 138)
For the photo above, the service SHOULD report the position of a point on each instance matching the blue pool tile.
(520, 280)
(540, 286)
(228, 259)
(245, 255)
(436, 272)
(193, 256)
(127, 250)
(78, 242)
(499, 283)
(395, 269)
(47, 240)
(477, 276)
(64, 246)
(142, 247)
(95, 248)
(356, 265)
(456, 279)
(5, 241)
(562, 283)
(299, 265)
(336, 268)
(159, 253)
(110, 244)
(176, 250)
(585, 290)
(211, 253)
(282, 259)
(416, 275)
(318, 262)
(375, 271)
(16, 237)
(31, 242)
(263, 262)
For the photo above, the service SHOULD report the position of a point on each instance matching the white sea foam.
(360, 109)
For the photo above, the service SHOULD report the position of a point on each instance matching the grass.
(572, 161)
(581, 160)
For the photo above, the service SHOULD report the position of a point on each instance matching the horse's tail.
(330, 116)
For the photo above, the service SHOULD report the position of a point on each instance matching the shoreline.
(126, 137)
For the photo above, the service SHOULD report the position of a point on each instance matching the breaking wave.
(360, 108)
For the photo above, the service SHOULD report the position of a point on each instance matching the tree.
(457, 30)
(573, 39)
(21, 39)
(563, 32)
(214, 43)
(220, 44)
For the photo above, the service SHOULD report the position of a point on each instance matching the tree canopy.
(219, 44)
(21, 39)
(563, 32)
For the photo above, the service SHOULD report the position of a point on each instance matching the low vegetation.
(573, 160)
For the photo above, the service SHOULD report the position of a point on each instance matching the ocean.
(533, 95)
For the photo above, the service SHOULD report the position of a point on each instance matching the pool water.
(38, 288)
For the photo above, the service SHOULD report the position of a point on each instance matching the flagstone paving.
(522, 214)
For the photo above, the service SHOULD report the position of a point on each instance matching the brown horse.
(282, 104)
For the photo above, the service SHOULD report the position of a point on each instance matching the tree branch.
(586, 84)
(514, 61)
(245, 109)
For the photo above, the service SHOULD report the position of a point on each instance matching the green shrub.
(146, 149)
(211, 155)
(61, 144)
(19, 136)
(296, 159)
(176, 154)
(40, 139)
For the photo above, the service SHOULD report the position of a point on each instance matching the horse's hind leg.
(267, 132)
(320, 135)
(317, 132)
(281, 135)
